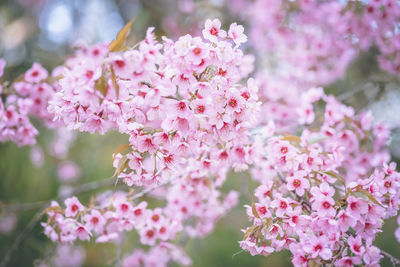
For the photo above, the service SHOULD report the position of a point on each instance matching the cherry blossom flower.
(236, 33)
(212, 30)
(73, 207)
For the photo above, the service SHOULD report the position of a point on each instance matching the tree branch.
(21, 237)
(395, 261)
(40, 204)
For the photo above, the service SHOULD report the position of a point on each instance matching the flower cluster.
(29, 95)
(315, 41)
(287, 111)
(324, 195)
(192, 206)
(176, 101)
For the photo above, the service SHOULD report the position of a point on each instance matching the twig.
(148, 190)
(21, 237)
(88, 187)
(22, 206)
(350, 93)
(50, 253)
(118, 252)
(339, 253)
(244, 189)
(237, 253)
(377, 80)
(77, 190)
(395, 261)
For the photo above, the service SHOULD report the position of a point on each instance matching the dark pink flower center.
(326, 205)
(150, 233)
(155, 217)
(124, 207)
(74, 207)
(197, 51)
(213, 31)
(138, 212)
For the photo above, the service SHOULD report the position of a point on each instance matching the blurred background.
(47, 31)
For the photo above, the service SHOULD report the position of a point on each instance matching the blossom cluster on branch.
(27, 96)
(315, 41)
(324, 195)
(180, 102)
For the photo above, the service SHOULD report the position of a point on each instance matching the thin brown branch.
(40, 204)
(22, 206)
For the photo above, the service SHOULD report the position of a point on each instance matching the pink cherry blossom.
(236, 33)
(73, 207)
(212, 30)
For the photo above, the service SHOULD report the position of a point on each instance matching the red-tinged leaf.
(258, 233)
(291, 138)
(267, 223)
(101, 83)
(114, 81)
(350, 192)
(53, 209)
(131, 192)
(119, 42)
(120, 149)
(334, 175)
(369, 196)
(208, 183)
(248, 232)
(254, 210)
(122, 164)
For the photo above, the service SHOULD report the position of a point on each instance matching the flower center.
(326, 205)
(124, 207)
(74, 208)
(213, 31)
(197, 51)
(296, 183)
(155, 217)
(150, 233)
(233, 102)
